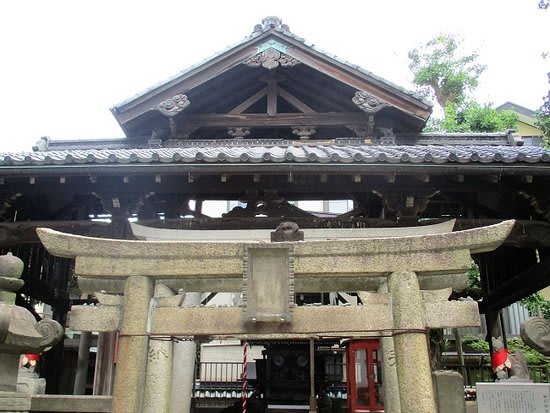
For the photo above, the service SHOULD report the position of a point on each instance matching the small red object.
(498, 358)
(33, 357)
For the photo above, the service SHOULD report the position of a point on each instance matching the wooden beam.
(16, 233)
(294, 101)
(182, 84)
(271, 96)
(424, 178)
(352, 78)
(334, 101)
(248, 102)
(280, 119)
(522, 285)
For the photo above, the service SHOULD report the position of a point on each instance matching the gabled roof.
(209, 86)
(525, 115)
(516, 108)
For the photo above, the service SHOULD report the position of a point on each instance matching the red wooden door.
(364, 376)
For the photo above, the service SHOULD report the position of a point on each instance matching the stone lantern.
(19, 334)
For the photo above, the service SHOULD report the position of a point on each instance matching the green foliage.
(473, 290)
(543, 120)
(441, 71)
(532, 357)
(473, 117)
(536, 303)
(486, 119)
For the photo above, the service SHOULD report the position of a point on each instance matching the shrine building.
(271, 131)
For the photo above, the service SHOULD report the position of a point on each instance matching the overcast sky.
(65, 63)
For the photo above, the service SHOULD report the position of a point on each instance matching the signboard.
(268, 283)
(510, 397)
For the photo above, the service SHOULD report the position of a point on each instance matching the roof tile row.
(277, 154)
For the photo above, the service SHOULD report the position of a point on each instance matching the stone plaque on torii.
(403, 264)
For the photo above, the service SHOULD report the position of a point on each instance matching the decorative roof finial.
(271, 22)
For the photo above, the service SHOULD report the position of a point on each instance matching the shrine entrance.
(413, 276)
(364, 376)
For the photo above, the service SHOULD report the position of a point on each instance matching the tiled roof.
(303, 153)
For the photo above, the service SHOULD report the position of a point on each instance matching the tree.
(537, 305)
(543, 114)
(543, 118)
(442, 72)
(473, 117)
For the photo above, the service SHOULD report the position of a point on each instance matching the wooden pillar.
(133, 346)
(81, 376)
(312, 400)
(411, 349)
(105, 364)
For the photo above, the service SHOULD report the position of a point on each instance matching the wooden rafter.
(248, 102)
(192, 79)
(294, 101)
(335, 101)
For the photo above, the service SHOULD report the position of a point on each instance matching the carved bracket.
(407, 205)
(361, 131)
(238, 133)
(385, 136)
(171, 107)
(304, 132)
(367, 102)
(269, 205)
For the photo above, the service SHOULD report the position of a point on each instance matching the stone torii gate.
(272, 272)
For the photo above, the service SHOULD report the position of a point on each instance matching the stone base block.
(449, 391)
(30, 383)
(14, 402)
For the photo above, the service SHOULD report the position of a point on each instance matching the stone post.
(449, 391)
(411, 349)
(183, 374)
(392, 404)
(19, 333)
(159, 368)
(132, 346)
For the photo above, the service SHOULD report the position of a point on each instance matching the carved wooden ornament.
(367, 102)
(270, 59)
(173, 106)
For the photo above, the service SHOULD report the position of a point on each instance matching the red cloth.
(34, 357)
(498, 358)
